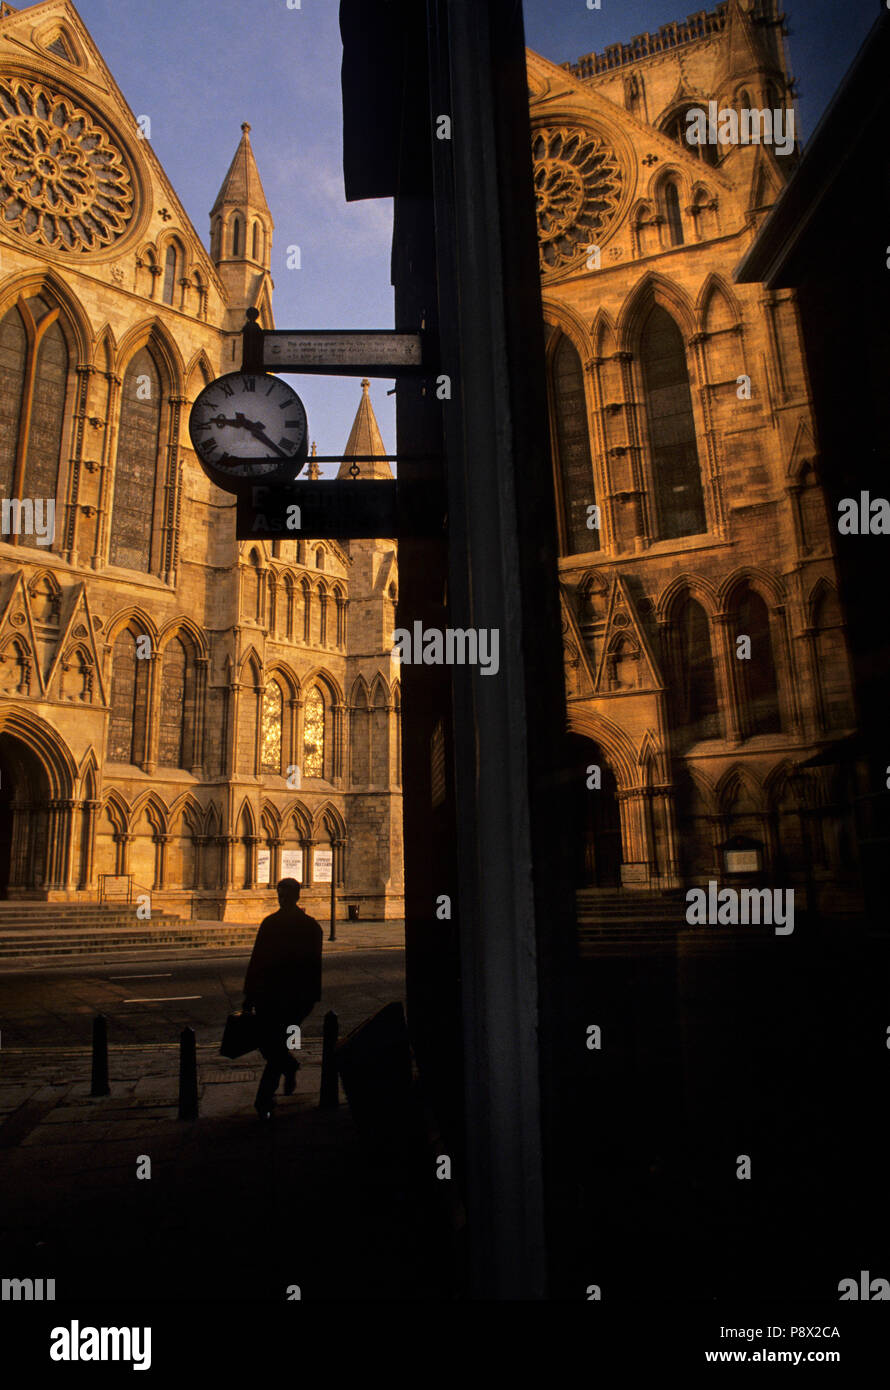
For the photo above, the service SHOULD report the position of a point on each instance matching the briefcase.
(241, 1035)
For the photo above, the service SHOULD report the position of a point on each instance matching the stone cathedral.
(179, 712)
(706, 663)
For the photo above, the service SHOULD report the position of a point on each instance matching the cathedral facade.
(182, 715)
(707, 672)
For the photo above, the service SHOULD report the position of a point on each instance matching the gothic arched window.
(831, 664)
(696, 707)
(675, 468)
(270, 732)
(256, 241)
(572, 448)
(322, 616)
(678, 128)
(132, 511)
(129, 693)
(307, 610)
(169, 275)
(759, 684)
(672, 210)
(177, 707)
(33, 387)
(314, 734)
(236, 236)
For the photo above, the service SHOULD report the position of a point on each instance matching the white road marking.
(167, 976)
(163, 999)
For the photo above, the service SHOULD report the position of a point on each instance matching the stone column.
(88, 843)
(227, 856)
(252, 841)
(308, 866)
(202, 666)
(123, 840)
(729, 679)
(161, 841)
(149, 762)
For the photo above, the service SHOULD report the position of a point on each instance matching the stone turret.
(241, 238)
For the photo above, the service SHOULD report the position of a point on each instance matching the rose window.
(63, 183)
(578, 185)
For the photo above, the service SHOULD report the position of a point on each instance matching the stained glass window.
(270, 743)
(313, 735)
(129, 689)
(677, 476)
(171, 745)
(573, 448)
(44, 443)
(137, 458)
(169, 274)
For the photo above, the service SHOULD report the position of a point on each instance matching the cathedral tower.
(241, 238)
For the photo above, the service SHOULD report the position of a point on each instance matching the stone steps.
(25, 944)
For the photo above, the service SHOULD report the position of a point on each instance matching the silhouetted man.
(283, 985)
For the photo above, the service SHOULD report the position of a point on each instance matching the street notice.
(373, 352)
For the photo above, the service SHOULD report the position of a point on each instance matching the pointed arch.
(88, 776)
(675, 593)
(717, 307)
(673, 457)
(237, 234)
(152, 805)
(198, 374)
(297, 812)
(564, 318)
(116, 809)
(47, 285)
(186, 811)
(153, 334)
(571, 447)
(328, 820)
(762, 581)
(739, 791)
(616, 744)
(653, 289)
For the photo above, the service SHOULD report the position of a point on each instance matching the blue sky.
(199, 68)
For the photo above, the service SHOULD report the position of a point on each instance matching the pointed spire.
(241, 186)
(744, 54)
(365, 438)
(313, 470)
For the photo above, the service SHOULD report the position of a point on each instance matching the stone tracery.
(63, 183)
(578, 186)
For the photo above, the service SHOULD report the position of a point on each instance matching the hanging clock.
(247, 426)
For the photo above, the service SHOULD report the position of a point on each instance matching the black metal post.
(332, 935)
(188, 1075)
(329, 1098)
(100, 1086)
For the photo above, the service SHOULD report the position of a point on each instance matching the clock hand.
(261, 435)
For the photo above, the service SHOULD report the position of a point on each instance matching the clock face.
(249, 425)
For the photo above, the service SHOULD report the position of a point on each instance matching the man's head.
(288, 892)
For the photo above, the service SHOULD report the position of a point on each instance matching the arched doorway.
(25, 795)
(595, 816)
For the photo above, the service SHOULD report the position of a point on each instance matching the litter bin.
(353, 912)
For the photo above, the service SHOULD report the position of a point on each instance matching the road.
(152, 1001)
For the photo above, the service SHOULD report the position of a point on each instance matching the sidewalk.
(232, 1210)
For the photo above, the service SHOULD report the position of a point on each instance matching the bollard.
(188, 1076)
(330, 1084)
(100, 1086)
